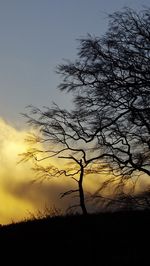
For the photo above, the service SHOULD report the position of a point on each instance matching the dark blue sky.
(35, 36)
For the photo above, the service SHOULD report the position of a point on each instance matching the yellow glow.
(18, 196)
(12, 209)
(11, 174)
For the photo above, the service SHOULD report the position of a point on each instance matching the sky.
(36, 36)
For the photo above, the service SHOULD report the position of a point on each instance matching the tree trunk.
(81, 192)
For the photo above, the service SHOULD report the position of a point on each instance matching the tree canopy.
(111, 85)
(109, 123)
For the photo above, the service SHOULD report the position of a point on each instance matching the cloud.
(18, 195)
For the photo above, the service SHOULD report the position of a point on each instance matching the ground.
(120, 238)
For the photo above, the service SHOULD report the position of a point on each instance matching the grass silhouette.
(118, 238)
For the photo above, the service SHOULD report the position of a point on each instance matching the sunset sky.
(35, 36)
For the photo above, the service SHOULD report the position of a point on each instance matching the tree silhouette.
(109, 126)
(63, 136)
(110, 82)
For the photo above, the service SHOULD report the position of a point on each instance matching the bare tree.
(109, 126)
(62, 135)
(111, 85)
